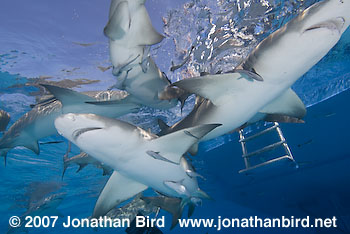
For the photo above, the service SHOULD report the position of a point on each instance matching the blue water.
(45, 47)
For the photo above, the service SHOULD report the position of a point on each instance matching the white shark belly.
(121, 53)
(138, 166)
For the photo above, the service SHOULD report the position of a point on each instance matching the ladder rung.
(275, 160)
(259, 133)
(266, 148)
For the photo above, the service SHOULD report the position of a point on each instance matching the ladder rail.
(246, 156)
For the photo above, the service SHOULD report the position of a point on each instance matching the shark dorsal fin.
(67, 96)
(33, 146)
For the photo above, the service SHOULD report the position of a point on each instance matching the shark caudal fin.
(67, 96)
(117, 189)
(4, 120)
(172, 146)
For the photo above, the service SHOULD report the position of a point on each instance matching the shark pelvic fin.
(170, 204)
(119, 22)
(117, 189)
(175, 144)
(288, 104)
(67, 96)
(147, 33)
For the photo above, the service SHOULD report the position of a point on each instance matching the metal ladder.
(287, 158)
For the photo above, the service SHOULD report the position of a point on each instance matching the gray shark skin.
(4, 120)
(144, 86)
(129, 30)
(39, 122)
(130, 34)
(47, 206)
(124, 148)
(132, 209)
(240, 98)
(83, 159)
(42, 200)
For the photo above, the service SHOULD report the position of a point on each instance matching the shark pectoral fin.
(33, 146)
(147, 34)
(288, 104)
(335, 24)
(4, 120)
(67, 96)
(117, 189)
(175, 144)
(119, 22)
(214, 87)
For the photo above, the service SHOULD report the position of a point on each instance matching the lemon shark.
(129, 30)
(240, 97)
(140, 159)
(82, 159)
(130, 34)
(145, 87)
(39, 122)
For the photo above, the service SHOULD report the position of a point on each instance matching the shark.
(129, 30)
(4, 120)
(39, 121)
(42, 199)
(146, 86)
(260, 87)
(82, 159)
(128, 150)
(131, 34)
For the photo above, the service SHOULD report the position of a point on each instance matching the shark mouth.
(80, 131)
